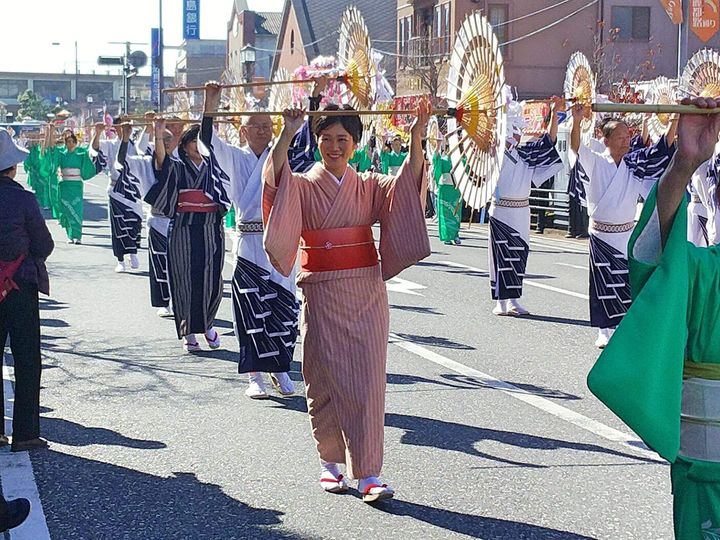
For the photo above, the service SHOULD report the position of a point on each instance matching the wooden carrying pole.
(255, 84)
(340, 112)
(649, 108)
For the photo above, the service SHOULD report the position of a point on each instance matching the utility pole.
(160, 59)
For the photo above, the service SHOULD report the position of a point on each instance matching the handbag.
(7, 272)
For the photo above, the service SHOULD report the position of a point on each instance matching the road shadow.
(48, 304)
(556, 320)
(295, 403)
(463, 382)
(70, 433)
(83, 498)
(94, 212)
(428, 432)
(436, 341)
(417, 309)
(474, 526)
(54, 323)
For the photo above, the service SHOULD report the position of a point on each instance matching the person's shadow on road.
(70, 433)
(91, 499)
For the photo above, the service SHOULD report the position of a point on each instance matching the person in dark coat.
(25, 243)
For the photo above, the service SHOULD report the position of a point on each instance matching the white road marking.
(568, 246)
(404, 286)
(593, 426)
(17, 477)
(529, 282)
(579, 267)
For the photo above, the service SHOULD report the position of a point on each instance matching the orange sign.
(673, 8)
(704, 18)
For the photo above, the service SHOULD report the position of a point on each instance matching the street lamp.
(247, 58)
(77, 69)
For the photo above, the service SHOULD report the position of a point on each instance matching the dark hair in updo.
(351, 123)
(190, 134)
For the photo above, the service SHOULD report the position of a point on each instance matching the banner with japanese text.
(704, 18)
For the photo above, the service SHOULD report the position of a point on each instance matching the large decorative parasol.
(475, 86)
(579, 88)
(662, 91)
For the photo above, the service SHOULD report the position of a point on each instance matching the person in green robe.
(35, 179)
(390, 162)
(660, 372)
(75, 166)
(449, 200)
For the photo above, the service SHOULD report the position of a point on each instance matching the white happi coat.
(142, 167)
(516, 180)
(110, 149)
(612, 191)
(245, 171)
(704, 186)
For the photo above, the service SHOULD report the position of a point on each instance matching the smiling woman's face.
(336, 146)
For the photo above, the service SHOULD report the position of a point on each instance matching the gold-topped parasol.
(476, 136)
(579, 87)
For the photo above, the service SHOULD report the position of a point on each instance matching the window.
(632, 23)
(292, 41)
(11, 89)
(447, 27)
(100, 91)
(498, 15)
(52, 90)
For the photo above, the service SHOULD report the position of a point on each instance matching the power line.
(533, 13)
(551, 25)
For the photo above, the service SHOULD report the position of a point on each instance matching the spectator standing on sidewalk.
(25, 243)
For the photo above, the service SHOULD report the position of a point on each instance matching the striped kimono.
(612, 195)
(265, 309)
(526, 166)
(196, 240)
(345, 315)
(141, 167)
(124, 200)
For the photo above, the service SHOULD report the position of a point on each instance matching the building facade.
(624, 39)
(309, 28)
(252, 38)
(76, 92)
(199, 61)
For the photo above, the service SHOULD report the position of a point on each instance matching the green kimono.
(75, 167)
(361, 159)
(48, 171)
(36, 180)
(671, 332)
(449, 199)
(230, 218)
(390, 162)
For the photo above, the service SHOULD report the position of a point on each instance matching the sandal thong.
(384, 493)
(332, 484)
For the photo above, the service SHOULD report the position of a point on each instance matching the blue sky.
(35, 24)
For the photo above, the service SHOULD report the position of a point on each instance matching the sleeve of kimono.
(282, 217)
(647, 165)
(142, 168)
(639, 374)
(404, 239)
(637, 143)
(223, 152)
(89, 167)
(303, 147)
(163, 195)
(542, 158)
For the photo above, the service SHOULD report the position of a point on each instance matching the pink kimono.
(345, 314)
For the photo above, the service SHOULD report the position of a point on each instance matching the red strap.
(367, 489)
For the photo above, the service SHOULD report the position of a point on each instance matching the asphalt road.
(491, 431)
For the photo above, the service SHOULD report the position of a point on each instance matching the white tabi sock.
(328, 467)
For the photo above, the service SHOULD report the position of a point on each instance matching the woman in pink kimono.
(329, 213)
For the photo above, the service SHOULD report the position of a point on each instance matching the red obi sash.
(195, 200)
(324, 250)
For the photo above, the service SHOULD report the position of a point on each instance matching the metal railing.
(551, 200)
